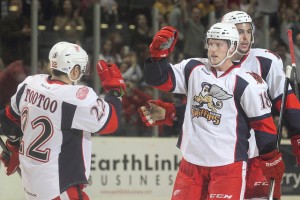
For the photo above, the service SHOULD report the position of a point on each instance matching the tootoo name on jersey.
(40, 100)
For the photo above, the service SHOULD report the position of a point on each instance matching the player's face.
(245, 31)
(217, 50)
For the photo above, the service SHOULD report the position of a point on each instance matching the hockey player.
(222, 100)
(270, 67)
(57, 118)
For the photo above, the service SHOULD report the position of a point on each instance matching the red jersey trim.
(265, 125)
(10, 116)
(55, 81)
(167, 86)
(291, 102)
(112, 124)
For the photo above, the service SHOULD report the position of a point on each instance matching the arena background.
(138, 162)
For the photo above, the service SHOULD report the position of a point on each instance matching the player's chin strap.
(75, 81)
(227, 56)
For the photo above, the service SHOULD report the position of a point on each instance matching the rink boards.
(141, 168)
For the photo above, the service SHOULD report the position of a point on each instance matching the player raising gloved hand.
(157, 112)
(111, 78)
(163, 42)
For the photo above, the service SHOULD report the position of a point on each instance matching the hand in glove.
(157, 112)
(11, 159)
(110, 77)
(163, 42)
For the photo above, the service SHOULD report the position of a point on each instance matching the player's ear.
(75, 72)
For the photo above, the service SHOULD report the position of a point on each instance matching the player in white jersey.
(57, 118)
(270, 68)
(223, 102)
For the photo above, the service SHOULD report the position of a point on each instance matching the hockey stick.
(280, 121)
(7, 152)
(290, 37)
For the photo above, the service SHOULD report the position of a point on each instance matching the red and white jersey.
(57, 121)
(270, 67)
(219, 110)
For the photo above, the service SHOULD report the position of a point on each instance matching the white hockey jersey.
(218, 111)
(270, 68)
(55, 153)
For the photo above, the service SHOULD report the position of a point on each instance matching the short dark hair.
(58, 73)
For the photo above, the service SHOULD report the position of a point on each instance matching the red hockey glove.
(157, 112)
(11, 162)
(163, 42)
(110, 77)
(295, 141)
(272, 166)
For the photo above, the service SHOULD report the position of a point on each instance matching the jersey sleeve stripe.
(10, 114)
(19, 95)
(192, 64)
(291, 101)
(240, 86)
(265, 65)
(67, 115)
(263, 123)
(111, 124)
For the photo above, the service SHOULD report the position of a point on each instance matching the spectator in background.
(164, 8)
(15, 34)
(132, 100)
(206, 7)
(133, 73)
(109, 12)
(142, 34)
(269, 8)
(194, 32)
(69, 23)
(289, 20)
(220, 9)
(108, 53)
(10, 78)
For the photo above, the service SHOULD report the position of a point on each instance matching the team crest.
(257, 77)
(212, 96)
(82, 93)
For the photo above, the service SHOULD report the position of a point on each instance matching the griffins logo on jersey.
(212, 96)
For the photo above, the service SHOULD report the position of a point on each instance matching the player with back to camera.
(50, 121)
(218, 93)
(270, 68)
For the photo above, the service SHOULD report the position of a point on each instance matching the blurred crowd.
(127, 28)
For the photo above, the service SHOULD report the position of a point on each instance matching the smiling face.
(245, 31)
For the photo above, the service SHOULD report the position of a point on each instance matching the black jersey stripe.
(265, 65)
(19, 95)
(243, 128)
(188, 70)
(67, 115)
(71, 161)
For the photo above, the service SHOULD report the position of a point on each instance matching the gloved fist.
(110, 77)
(272, 165)
(295, 141)
(163, 42)
(11, 162)
(157, 112)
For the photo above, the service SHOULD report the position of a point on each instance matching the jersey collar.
(50, 81)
